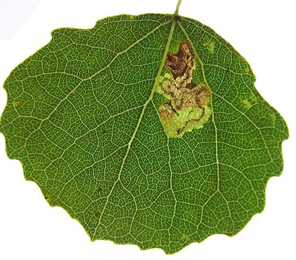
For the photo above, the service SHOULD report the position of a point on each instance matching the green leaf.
(146, 129)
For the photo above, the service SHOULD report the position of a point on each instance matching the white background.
(262, 31)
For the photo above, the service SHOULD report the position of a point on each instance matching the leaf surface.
(146, 129)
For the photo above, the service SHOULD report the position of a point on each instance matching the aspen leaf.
(146, 129)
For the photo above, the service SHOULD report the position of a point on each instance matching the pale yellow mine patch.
(246, 103)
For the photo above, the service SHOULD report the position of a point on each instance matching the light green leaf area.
(83, 117)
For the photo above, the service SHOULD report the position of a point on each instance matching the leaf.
(146, 129)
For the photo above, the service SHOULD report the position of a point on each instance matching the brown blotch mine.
(181, 63)
(185, 97)
(183, 92)
(166, 111)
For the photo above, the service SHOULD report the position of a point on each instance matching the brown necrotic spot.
(97, 214)
(49, 200)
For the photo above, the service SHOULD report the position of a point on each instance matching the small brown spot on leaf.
(49, 201)
(15, 103)
(73, 91)
(97, 214)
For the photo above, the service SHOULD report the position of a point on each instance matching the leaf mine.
(188, 103)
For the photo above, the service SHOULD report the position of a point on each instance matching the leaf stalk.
(177, 8)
